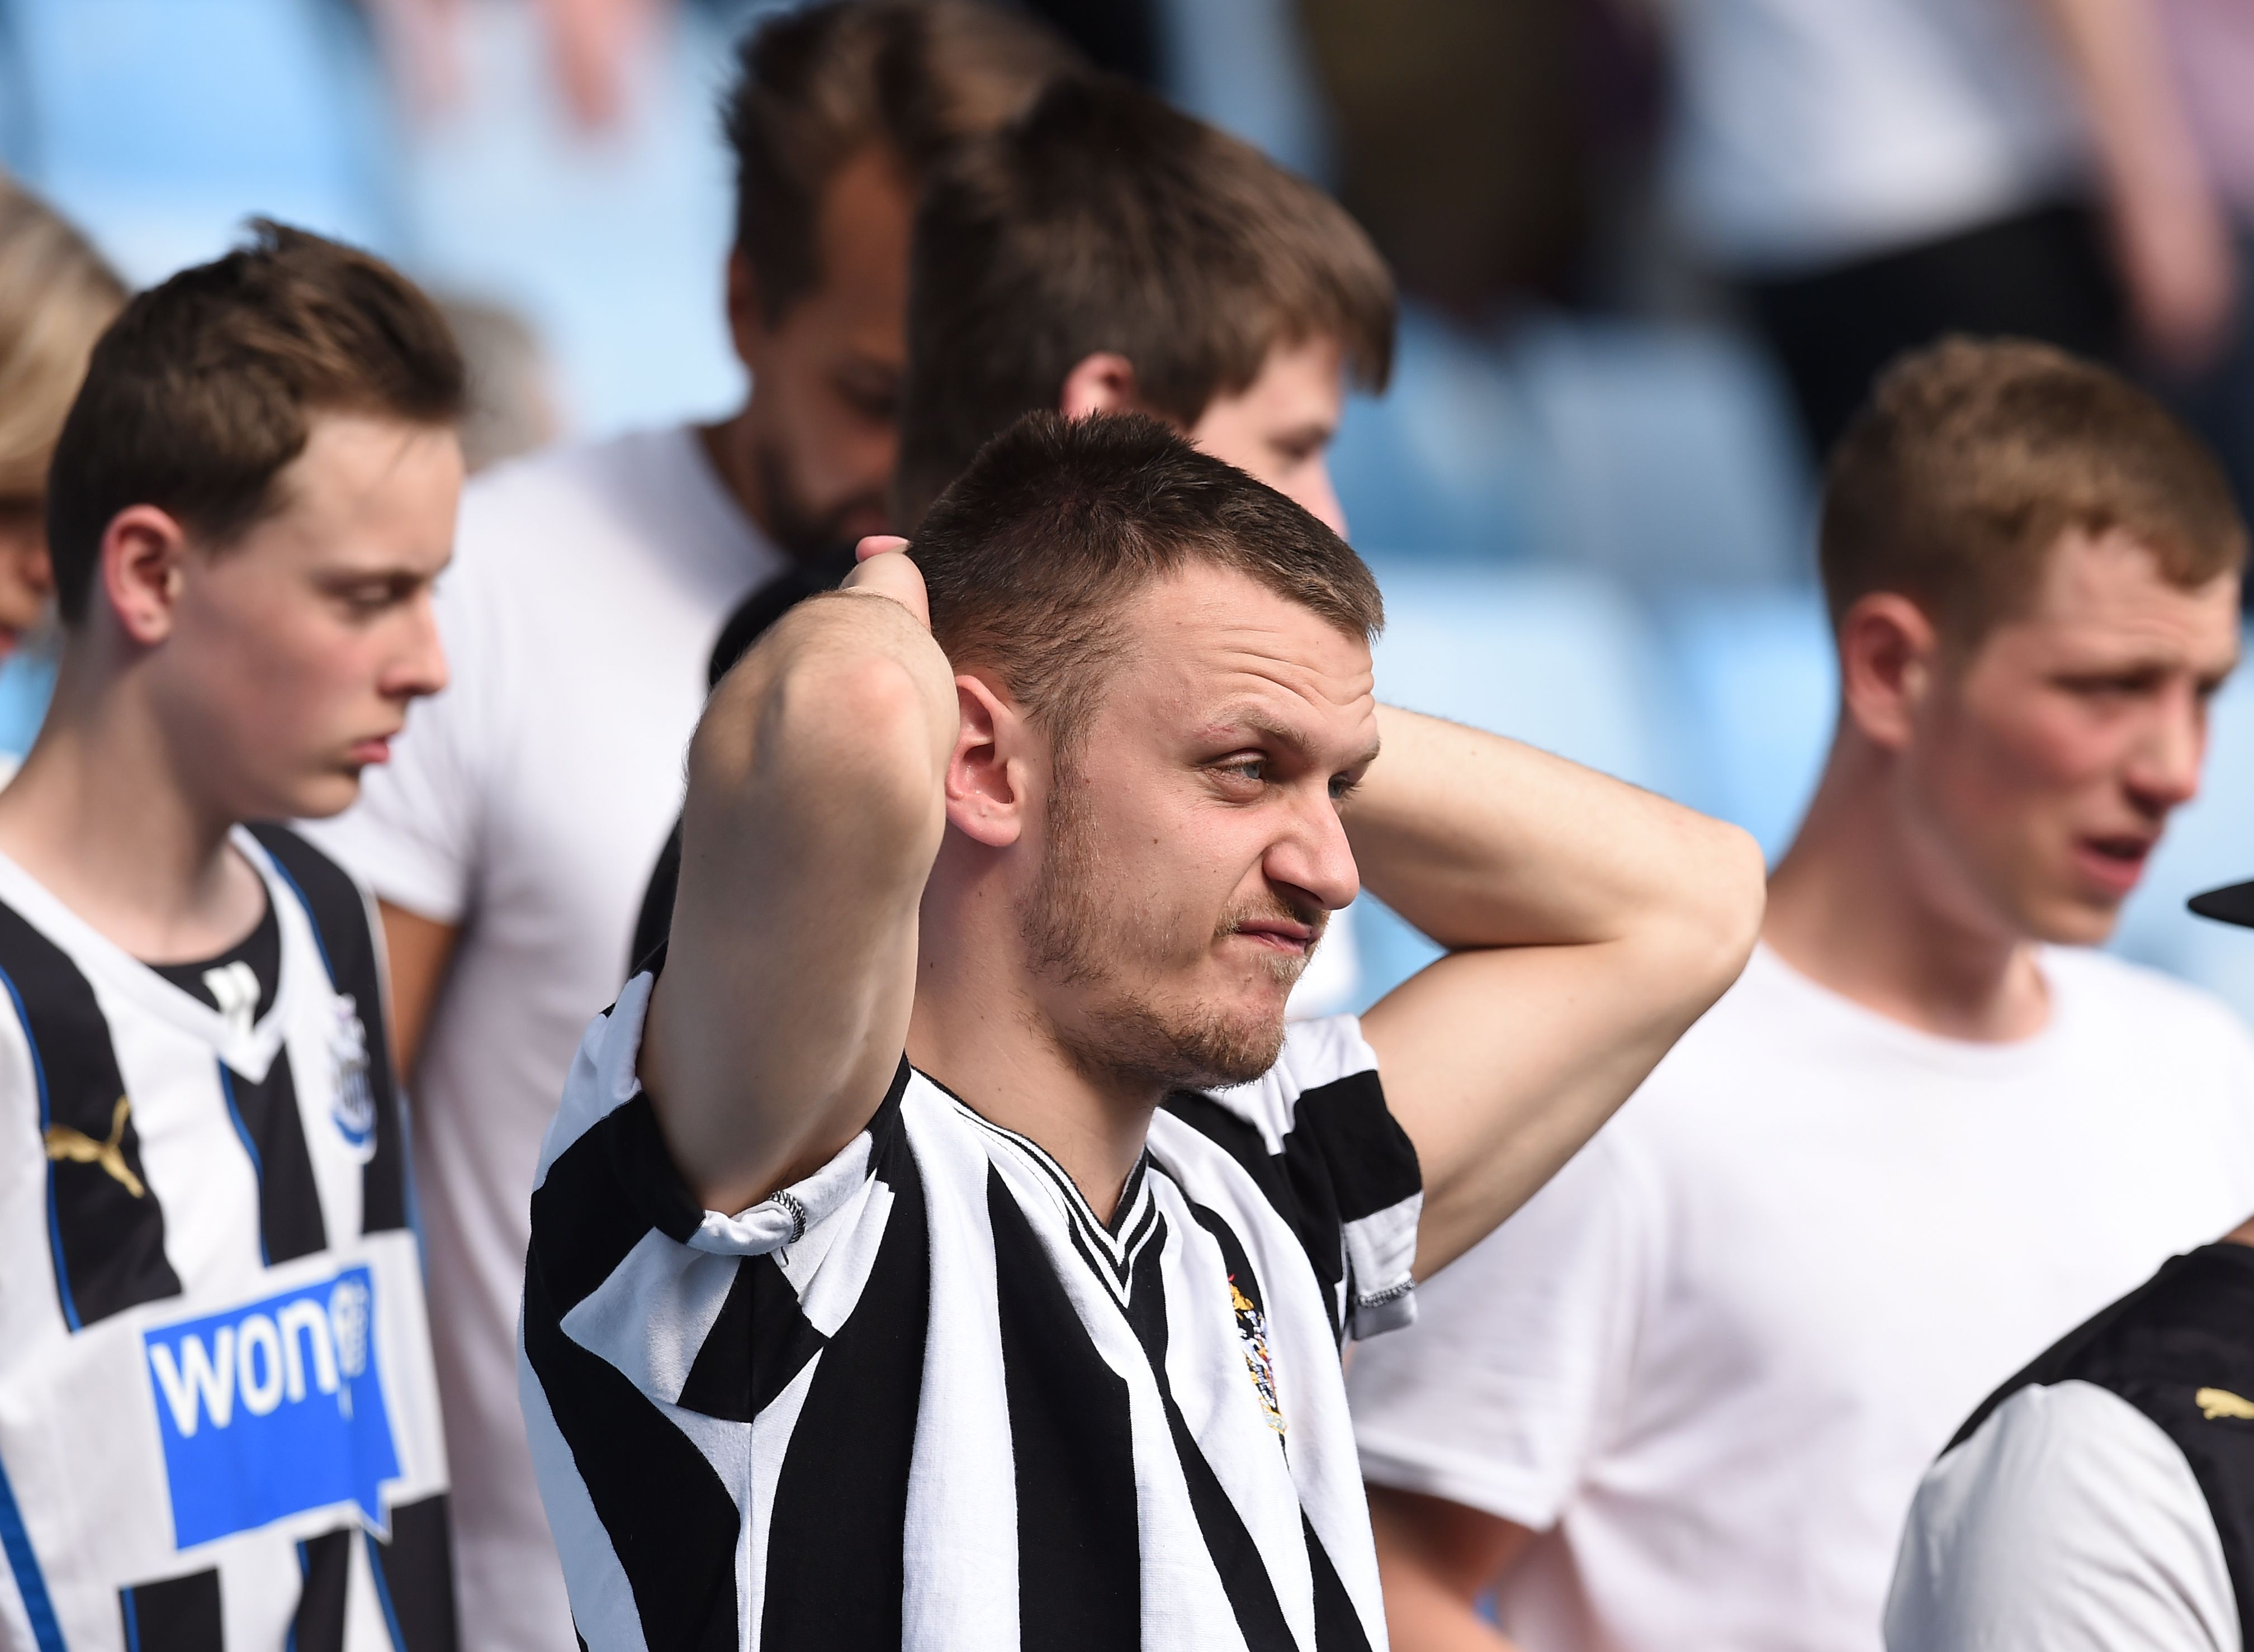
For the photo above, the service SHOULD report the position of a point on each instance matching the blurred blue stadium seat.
(1560, 658)
(159, 125)
(2210, 841)
(1758, 696)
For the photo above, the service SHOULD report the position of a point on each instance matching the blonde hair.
(56, 296)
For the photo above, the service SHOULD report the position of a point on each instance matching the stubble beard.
(1077, 938)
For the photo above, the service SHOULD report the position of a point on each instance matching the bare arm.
(813, 817)
(419, 949)
(2169, 238)
(1590, 925)
(1436, 1558)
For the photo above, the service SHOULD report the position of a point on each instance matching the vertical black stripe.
(836, 1554)
(179, 1614)
(1236, 1556)
(1338, 1626)
(325, 1562)
(290, 1222)
(105, 1228)
(415, 1573)
(348, 950)
(1080, 1568)
(671, 1522)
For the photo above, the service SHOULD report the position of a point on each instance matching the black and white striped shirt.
(219, 1423)
(924, 1398)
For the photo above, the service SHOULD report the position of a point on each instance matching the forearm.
(1481, 841)
(1435, 1560)
(812, 815)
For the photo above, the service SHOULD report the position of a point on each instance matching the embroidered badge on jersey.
(355, 1107)
(1252, 1331)
(272, 1408)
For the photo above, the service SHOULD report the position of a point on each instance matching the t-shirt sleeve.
(412, 836)
(1499, 1397)
(1318, 1139)
(625, 1265)
(2068, 1523)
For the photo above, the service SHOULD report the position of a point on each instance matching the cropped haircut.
(1108, 220)
(1973, 457)
(56, 296)
(1031, 557)
(817, 86)
(205, 389)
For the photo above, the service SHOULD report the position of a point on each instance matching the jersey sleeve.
(413, 836)
(1318, 1139)
(1499, 1397)
(2068, 1523)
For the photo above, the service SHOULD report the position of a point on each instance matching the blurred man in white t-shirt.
(510, 838)
(1684, 1398)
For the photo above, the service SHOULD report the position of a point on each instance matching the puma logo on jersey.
(2221, 1402)
(78, 1147)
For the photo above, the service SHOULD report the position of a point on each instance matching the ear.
(747, 322)
(142, 566)
(987, 790)
(1102, 383)
(1889, 658)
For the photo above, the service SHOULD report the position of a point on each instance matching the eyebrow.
(1259, 723)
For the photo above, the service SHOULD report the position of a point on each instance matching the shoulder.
(2067, 1519)
(343, 916)
(2101, 987)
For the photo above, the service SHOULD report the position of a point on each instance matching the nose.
(2164, 770)
(420, 668)
(1314, 856)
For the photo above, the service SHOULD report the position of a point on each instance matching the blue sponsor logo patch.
(273, 1408)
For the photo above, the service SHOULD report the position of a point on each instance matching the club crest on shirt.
(1252, 1331)
(353, 1108)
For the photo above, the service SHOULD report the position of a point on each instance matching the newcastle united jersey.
(218, 1427)
(926, 1397)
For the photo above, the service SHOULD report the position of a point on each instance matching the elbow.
(1725, 896)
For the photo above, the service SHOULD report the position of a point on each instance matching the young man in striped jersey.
(946, 1245)
(219, 1423)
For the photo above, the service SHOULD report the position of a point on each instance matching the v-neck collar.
(249, 1053)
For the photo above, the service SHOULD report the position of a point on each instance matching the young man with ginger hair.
(949, 1245)
(1682, 1400)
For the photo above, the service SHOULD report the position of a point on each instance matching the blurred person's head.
(839, 111)
(56, 296)
(250, 499)
(1109, 252)
(1165, 670)
(2032, 573)
(511, 406)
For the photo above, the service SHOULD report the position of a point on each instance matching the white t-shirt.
(528, 803)
(2068, 1523)
(1809, 131)
(1710, 1362)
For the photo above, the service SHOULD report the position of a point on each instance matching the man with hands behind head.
(949, 1245)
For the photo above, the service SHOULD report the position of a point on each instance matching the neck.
(978, 1029)
(107, 816)
(733, 446)
(1860, 906)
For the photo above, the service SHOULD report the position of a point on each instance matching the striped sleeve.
(658, 1334)
(1318, 1139)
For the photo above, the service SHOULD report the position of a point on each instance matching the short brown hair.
(1973, 456)
(819, 84)
(1029, 557)
(204, 389)
(56, 296)
(1108, 220)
